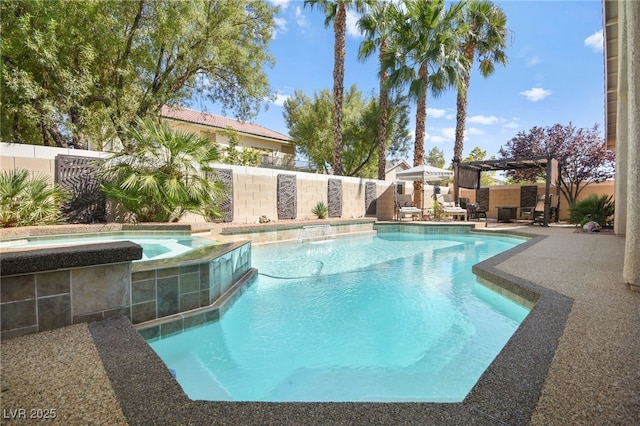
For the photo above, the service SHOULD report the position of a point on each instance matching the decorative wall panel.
(225, 176)
(370, 199)
(528, 196)
(335, 197)
(78, 175)
(287, 197)
(483, 197)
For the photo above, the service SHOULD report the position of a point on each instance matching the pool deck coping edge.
(507, 392)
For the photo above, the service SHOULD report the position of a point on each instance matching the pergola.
(467, 175)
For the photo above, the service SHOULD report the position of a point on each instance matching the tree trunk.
(461, 112)
(421, 120)
(339, 27)
(382, 129)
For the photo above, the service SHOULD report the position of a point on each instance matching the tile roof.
(219, 122)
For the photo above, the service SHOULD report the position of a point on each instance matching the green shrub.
(320, 210)
(164, 174)
(592, 208)
(26, 201)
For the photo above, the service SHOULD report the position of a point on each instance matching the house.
(277, 150)
(622, 118)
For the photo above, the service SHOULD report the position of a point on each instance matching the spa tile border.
(506, 393)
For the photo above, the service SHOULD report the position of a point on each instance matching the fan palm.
(336, 11)
(485, 36)
(28, 201)
(425, 56)
(377, 26)
(164, 175)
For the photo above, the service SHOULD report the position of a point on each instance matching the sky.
(554, 74)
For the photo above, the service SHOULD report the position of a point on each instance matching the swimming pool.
(396, 317)
(155, 245)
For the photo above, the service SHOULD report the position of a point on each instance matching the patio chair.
(450, 207)
(405, 207)
(476, 211)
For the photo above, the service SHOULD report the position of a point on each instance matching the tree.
(309, 126)
(424, 56)
(477, 154)
(336, 11)
(166, 174)
(484, 36)
(27, 200)
(581, 153)
(435, 157)
(79, 72)
(377, 26)
(241, 157)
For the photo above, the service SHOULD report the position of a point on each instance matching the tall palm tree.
(336, 11)
(485, 37)
(378, 27)
(425, 56)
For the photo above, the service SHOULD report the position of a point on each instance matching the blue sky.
(555, 73)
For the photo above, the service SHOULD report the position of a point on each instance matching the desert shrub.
(320, 210)
(26, 201)
(592, 208)
(165, 174)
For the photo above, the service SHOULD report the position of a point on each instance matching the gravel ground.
(56, 375)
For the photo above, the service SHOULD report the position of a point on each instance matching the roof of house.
(397, 163)
(219, 122)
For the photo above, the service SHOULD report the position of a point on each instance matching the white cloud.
(534, 60)
(473, 131)
(280, 99)
(536, 94)
(449, 133)
(439, 139)
(513, 124)
(436, 112)
(281, 26)
(301, 19)
(282, 4)
(352, 24)
(595, 41)
(482, 119)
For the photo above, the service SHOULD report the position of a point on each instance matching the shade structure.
(425, 173)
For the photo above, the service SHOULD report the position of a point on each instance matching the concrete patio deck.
(573, 361)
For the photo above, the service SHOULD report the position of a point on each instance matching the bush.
(165, 174)
(26, 201)
(592, 208)
(320, 210)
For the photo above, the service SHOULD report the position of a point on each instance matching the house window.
(210, 135)
(288, 149)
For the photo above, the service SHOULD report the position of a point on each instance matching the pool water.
(396, 317)
(153, 246)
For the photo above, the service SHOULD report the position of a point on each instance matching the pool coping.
(507, 392)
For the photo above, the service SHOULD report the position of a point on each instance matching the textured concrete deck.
(573, 361)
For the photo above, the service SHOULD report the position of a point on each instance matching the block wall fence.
(255, 190)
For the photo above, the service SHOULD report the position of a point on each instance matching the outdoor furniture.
(476, 211)
(507, 214)
(450, 207)
(405, 207)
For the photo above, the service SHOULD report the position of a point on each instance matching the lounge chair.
(405, 207)
(450, 207)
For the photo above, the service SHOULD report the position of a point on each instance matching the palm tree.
(166, 174)
(425, 56)
(377, 26)
(484, 36)
(336, 11)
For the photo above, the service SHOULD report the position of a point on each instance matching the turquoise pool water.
(397, 317)
(154, 246)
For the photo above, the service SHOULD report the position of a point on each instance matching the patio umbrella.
(424, 174)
